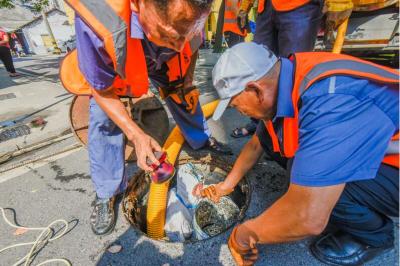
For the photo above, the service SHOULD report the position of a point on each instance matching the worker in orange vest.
(332, 121)
(121, 45)
(285, 27)
(233, 32)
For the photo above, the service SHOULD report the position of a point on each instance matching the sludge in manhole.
(188, 218)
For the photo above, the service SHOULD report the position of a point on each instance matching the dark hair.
(199, 5)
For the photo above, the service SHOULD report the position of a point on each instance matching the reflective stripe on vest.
(101, 11)
(314, 66)
(322, 70)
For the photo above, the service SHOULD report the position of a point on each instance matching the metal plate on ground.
(147, 112)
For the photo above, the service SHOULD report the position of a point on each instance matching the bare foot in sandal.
(245, 131)
(13, 75)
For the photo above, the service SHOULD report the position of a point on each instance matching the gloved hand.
(189, 96)
(335, 18)
(242, 20)
(337, 11)
(242, 245)
(213, 192)
(192, 100)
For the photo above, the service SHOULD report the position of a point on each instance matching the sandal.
(13, 75)
(245, 131)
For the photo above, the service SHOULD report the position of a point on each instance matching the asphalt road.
(60, 188)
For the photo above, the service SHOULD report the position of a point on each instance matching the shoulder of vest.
(103, 17)
(313, 66)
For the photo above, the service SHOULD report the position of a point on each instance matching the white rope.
(43, 238)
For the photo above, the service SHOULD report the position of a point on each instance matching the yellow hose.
(341, 33)
(157, 204)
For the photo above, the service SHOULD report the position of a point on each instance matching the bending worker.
(286, 27)
(332, 120)
(120, 46)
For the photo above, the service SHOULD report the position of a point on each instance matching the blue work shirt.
(96, 65)
(345, 125)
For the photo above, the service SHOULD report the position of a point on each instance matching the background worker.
(233, 32)
(151, 35)
(334, 122)
(286, 27)
(5, 53)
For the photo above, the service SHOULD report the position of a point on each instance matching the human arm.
(244, 10)
(189, 77)
(300, 212)
(337, 11)
(246, 160)
(145, 145)
(96, 66)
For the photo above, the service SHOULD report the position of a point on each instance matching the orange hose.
(158, 195)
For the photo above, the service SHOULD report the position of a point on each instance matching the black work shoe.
(217, 147)
(342, 249)
(102, 219)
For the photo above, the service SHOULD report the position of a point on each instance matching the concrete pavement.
(36, 93)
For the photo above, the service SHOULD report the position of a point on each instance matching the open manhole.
(207, 219)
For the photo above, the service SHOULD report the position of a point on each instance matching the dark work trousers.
(6, 58)
(365, 207)
(289, 32)
(232, 38)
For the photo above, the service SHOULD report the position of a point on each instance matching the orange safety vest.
(282, 5)
(230, 17)
(311, 67)
(110, 20)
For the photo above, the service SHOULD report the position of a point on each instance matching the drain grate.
(7, 96)
(14, 132)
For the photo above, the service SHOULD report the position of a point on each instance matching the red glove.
(244, 252)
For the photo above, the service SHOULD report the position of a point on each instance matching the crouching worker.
(120, 46)
(332, 121)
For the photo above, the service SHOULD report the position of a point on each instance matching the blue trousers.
(106, 145)
(289, 32)
(365, 207)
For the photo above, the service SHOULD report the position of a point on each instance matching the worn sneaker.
(102, 219)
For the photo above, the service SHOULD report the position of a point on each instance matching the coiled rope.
(44, 237)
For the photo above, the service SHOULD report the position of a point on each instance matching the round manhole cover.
(148, 113)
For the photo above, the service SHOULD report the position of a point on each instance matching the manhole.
(14, 132)
(7, 96)
(209, 219)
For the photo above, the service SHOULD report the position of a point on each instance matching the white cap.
(238, 66)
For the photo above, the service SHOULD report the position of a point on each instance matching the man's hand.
(243, 252)
(335, 19)
(337, 11)
(145, 146)
(242, 19)
(213, 192)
